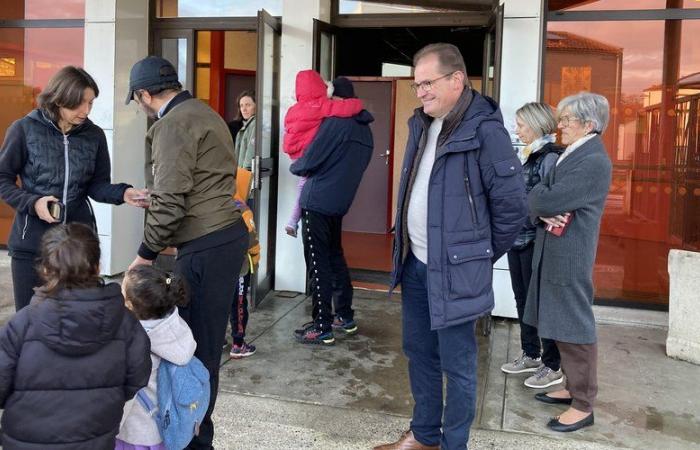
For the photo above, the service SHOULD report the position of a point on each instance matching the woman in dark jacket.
(61, 159)
(570, 201)
(536, 127)
(71, 359)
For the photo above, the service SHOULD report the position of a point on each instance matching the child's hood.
(79, 321)
(310, 86)
(172, 340)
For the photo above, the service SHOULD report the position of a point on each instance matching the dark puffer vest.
(535, 168)
(70, 167)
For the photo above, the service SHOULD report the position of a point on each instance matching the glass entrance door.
(266, 150)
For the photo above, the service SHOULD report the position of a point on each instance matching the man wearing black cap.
(333, 163)
(190, 174)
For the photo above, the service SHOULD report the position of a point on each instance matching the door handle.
(385, 155)
(255, 168)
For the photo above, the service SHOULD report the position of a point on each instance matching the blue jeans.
(430, 353)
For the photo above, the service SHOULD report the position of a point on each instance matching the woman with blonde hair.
(536, 127)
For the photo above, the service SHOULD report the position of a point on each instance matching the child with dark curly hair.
(154, 295)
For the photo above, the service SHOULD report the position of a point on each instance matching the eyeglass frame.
(569, 118)
(427, 85)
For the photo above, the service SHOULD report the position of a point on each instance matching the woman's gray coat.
(560, 299)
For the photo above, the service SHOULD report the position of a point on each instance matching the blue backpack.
(183, 399)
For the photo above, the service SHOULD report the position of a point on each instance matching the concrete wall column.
(116, 36)
(297, 47)
(520, 74)
(683, 313)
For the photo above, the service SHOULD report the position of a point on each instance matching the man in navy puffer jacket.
(461, 205)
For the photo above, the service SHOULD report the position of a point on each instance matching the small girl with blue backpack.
(156, 418)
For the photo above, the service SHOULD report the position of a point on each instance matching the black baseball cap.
(150, 72)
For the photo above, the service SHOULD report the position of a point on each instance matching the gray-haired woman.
(570, 202)
(536, 127)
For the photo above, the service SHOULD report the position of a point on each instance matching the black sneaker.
(346, 326)
(313, 336)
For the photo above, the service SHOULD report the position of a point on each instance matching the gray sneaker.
(522, 364)
(544, 377)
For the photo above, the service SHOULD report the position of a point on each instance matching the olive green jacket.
(190, 173)
(245, 144)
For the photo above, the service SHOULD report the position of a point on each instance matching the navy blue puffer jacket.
(476, 207)
(67, 366)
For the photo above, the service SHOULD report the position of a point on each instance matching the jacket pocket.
(470, 271)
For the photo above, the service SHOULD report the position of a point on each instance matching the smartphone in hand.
(57, 210)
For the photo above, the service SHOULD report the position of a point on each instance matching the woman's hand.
(137, 197)
(556, 221)
(42, 208)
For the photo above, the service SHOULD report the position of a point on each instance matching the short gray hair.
(539, 117)
(449, 57)
(588, 107)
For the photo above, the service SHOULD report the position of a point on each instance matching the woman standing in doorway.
(61, 159)
(245, 139)
(570, 201)
(536, 128)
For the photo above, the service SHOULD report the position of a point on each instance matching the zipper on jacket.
(475, 220)
(26, 222)
(66, 176)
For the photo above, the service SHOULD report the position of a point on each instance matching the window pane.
(600, 5)
(650, 73)
(42, 9)
(359, 7)
(28, 58)
(216, 8)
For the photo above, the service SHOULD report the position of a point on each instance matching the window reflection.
(650, 73)
(602, 5)
(42, 9)
(216, 8)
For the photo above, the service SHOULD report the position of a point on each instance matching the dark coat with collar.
(68, 364)
(560, 298)
(476, 207)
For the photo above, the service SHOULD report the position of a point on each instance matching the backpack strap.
(146, 402)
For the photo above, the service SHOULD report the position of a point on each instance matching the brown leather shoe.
(407, 442)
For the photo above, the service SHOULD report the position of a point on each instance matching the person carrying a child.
(334, 163)
(153, 296)
(71, 359)
(303, 121)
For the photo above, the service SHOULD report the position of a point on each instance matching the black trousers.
(24, 279)
(520, 265)
(239, 309)
(209, 274)
(327, 269)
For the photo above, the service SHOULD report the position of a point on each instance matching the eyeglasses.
(427, 85)
(565, 120)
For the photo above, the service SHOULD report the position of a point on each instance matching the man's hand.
(556, 221)
(137, 197)
(42, 208)
(138, 261)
